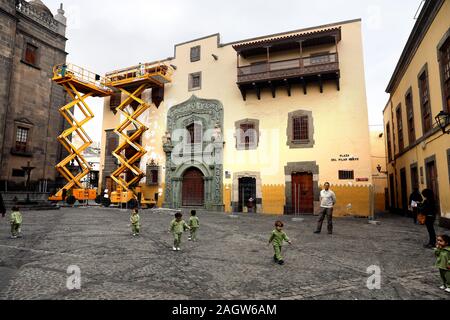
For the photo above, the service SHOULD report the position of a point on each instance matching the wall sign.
(345, 158)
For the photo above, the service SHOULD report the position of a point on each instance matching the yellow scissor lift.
(80, 84)
(132, 82)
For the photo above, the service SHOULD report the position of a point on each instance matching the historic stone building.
(258, 125)
(418, 150)
(32, 41)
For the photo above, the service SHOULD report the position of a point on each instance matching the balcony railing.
(289, 68)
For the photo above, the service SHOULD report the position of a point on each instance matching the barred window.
(400, 128)
(195, 54)
(301, 128)
(445, 67)
(346, 175)
(410, 118)
(427, 121)
(195, 81)
(21, 139)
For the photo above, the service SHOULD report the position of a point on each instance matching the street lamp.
(443, 120)
(379, 170)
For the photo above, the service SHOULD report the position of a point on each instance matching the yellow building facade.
(258, 125)
(418, 150)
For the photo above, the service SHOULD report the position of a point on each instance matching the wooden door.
(432, 181)
(193, 193)
(302, 193)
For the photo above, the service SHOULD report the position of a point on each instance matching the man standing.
(327, 202)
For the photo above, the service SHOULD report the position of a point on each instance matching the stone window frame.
(244, 146)
(290, 130)
(30, 42)
(196, 53)
(191, 81)
(150, 168)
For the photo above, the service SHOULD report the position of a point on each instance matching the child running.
(442, 253)
(194, 224)
(177, 227)
(16, 223)
(135, 222)
(277, 238)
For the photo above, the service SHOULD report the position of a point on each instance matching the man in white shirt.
(327, 202)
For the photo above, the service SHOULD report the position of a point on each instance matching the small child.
(135, 222)
(442, 253)
(177, 227)
(16, 223)
(194, 224)
(277, 237)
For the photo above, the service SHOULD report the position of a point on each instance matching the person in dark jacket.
(414, 200)
(428, 208)
(2, 207)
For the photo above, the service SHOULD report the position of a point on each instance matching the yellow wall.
(340, 117)
(351, 200)
(426, 54)
(273, 199)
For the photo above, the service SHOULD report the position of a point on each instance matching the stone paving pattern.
(231, 260)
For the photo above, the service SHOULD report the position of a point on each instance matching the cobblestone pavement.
(231, 260)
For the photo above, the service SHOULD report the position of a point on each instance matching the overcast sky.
(98, 30)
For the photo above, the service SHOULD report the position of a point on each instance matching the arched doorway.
(193, 194)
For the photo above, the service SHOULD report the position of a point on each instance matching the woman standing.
(2, 207)
(428, 208)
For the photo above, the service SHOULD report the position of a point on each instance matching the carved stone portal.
(206, 155)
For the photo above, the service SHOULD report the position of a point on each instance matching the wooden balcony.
(317, 69)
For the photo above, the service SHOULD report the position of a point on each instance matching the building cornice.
(219, 45)
(426, 18)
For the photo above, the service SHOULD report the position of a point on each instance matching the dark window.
(346, 175)
(301, 128)
(414, 178)
(31, 54)
(445, 67)
(400, 128)
(116, 99)
(154, 176)
(21, 139)
(410, 118)
(195, 53)
(18, 173)
(424, 92)
(247, 134)
(195, 133)
(195, 81)
(389, 143)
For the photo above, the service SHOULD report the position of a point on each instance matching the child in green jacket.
(16, 223)
(177, 227)
(135, 222)
(194, 224)
(277, 238)
(442, 253)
